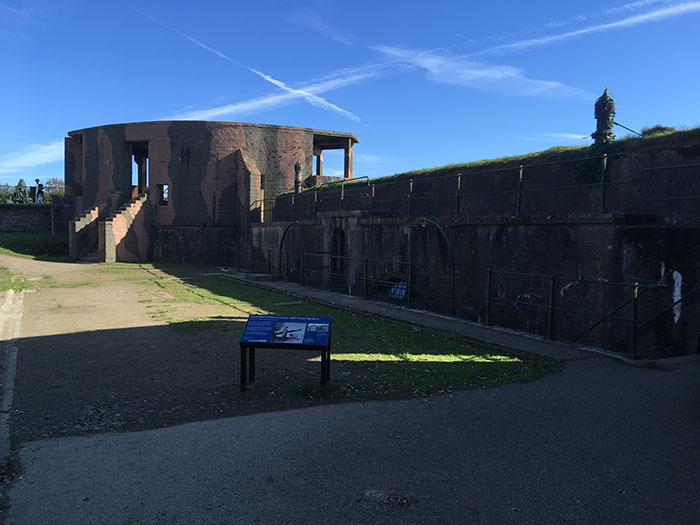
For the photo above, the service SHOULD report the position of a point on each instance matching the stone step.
(260, 276)
(121, 209)
(92, 256)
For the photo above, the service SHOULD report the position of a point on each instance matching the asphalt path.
(600, 442)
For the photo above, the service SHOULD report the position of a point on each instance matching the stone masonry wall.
(213, 172)
(562, 253)
(25, 218)
(585, 256)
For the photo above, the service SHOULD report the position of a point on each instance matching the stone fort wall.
(565, 243)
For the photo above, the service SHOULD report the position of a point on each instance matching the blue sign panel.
(287, 330)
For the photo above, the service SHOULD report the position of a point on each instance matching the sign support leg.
(251, 364)
(325, 366)
(244, 368)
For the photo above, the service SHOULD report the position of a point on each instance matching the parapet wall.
(25, 218)
(645, 186)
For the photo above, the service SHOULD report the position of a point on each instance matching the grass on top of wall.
(653, 138)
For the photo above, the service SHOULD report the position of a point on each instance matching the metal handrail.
(323, 266)
(580, 279)
(420, 176)
(667, 309)
(348, 258)
(261, 201)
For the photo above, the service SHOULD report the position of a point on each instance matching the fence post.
(453, 291)
(364, 285)
(409, 288)
(315, 203)
(603, 169)
(342, 193)
(550, 315)
(634, 321)
(330, 272)
(487, 314)
(301, 268)
(520, 192)
(459, 188)
(371, 209)
(269, 261)
(410, 196)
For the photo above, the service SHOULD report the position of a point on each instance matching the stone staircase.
(139, 198)
(117, 226)
(90, 221)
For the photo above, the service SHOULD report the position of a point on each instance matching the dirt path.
(96, 355)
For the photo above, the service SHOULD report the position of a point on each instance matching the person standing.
(39, 191)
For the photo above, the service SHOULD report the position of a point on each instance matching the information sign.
(286, 330)
(291, 332)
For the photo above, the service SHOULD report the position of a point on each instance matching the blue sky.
(421, 84)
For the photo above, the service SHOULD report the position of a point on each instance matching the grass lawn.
(35, 245)
(371, 357)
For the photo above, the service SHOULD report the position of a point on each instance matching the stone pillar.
(319, 163)
(347, 174)
(297, 176)
(143, 172)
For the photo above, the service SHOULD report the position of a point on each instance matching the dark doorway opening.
(139, 169)
(338, 262)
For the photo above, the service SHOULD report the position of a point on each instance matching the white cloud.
(572, 136)
(367, 158)
(34, 155)
(554, 25)
(632, 6)
(335, 80)
(333, 172)
(461, 71)
(652, 16)
(236, 108)
(307, 95)
(313, 21)
(19, 14)
(310, 97)
(17, 23)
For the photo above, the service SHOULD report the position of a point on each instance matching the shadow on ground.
(151, 377)
(142, 378)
